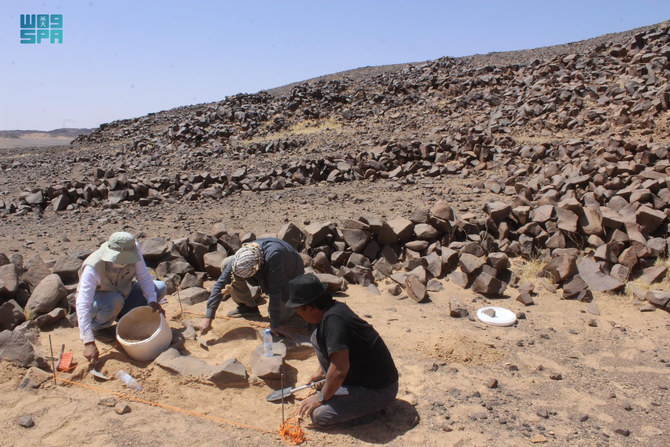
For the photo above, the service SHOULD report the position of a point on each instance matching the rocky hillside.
(570, 151)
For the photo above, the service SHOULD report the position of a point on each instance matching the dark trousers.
(352, 404)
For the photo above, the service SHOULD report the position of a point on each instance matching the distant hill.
(64, 132)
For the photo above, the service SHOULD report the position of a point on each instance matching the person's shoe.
(244, 311)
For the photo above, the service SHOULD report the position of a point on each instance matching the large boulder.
(356, 239)
(268, 368)
(334, 283)
(16, 347)
(291, 234)
(470, 263)
(9, 280)
(11, 315)
(67, 267)
(595, 279)
(317, 233)
(415, 288)
(213, 261)
(562, 267)
(487, 284)
(35, 271)
(153, 249)
(403, 228)
(46, 296)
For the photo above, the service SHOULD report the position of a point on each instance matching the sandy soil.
(613, 371)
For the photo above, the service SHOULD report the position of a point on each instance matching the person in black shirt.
(361, 377)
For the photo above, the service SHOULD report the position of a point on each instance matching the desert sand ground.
(613, 371)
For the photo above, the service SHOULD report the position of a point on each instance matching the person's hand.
(318, 375)
(226, 292)
(205, 326)
(156, 307)
(309, 405)
(91, 351)
(280, 332)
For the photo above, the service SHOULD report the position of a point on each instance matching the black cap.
(304, 289)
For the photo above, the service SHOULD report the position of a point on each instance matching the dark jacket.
(281, 263)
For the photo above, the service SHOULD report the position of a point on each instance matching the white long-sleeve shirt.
(88, 284)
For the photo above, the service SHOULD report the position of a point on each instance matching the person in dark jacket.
(268, 263)
(361, 377)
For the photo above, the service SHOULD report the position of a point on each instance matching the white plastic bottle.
(267, 343)
(128, 380)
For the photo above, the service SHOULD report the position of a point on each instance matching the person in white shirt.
(107, 291)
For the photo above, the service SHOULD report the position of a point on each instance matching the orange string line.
(167, 407)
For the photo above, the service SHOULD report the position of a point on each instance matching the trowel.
(96, 373)
(286, 392)
(203, 343)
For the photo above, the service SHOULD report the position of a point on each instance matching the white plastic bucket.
(143, 333)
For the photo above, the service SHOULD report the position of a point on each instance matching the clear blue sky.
(122, 59)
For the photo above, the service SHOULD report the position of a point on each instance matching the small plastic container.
(267, 343)
(128, 380)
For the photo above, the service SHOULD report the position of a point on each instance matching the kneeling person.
(106, 290)
(361, 377)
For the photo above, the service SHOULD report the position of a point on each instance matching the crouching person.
(361, 377)
(106, 289)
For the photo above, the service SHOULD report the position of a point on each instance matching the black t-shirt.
(371, 364)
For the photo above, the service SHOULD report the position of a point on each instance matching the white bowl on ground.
(143, 333)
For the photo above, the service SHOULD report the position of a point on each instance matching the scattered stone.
(121, 408)
(492, 383)
(434, 285)
(193, 295)
(457, 309)
(395, 289)
(26, 421)
(108, 402)
(415, 288)
(525, 299)
(592, 309)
